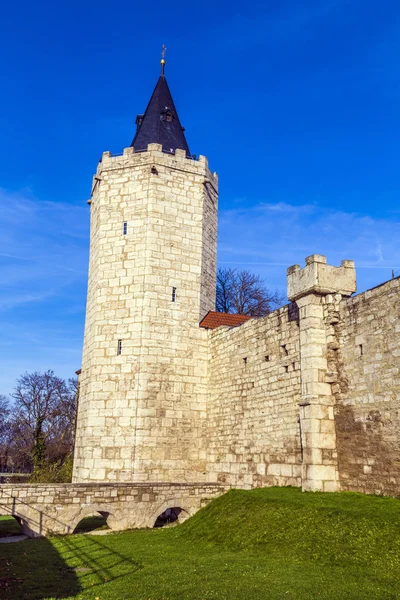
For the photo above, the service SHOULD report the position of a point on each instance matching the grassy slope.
(267, 543)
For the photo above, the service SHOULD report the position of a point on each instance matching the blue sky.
(296, 105)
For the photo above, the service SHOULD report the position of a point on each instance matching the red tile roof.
(213, 319)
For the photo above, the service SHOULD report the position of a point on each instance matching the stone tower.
(152, 273)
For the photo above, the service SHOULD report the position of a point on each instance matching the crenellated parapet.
(153, 159)
(317, 277)
(307, 395)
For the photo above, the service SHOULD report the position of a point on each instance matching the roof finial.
(162, 62)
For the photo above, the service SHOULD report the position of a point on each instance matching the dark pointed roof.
(160, 123)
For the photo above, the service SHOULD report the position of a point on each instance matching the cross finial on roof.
(162, 62)
(160, 123)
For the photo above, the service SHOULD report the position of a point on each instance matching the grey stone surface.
(44, 509)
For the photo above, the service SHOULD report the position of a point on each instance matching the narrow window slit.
(245, 361)
(285, 350)
(286, 368)
(125, 228)
(119, 348)
(267, 358)
(361, 349)
(173, 294)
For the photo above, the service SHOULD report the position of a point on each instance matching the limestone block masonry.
(171, 414)
(44, 509)
(152, 272)
(319, 278)
(254, 392)
(308, 395)
(366, 369)
(310, 287)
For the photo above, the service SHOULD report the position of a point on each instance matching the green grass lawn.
(9, 526)
(274, 543)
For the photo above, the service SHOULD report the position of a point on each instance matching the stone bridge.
(44, 509)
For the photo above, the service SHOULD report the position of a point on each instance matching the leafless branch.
(245, 293)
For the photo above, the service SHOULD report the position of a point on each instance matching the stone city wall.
(253, 429)
(310, 395)
(367, 390)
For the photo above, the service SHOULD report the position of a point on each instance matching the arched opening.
(10, 526)
(170, 516)
(94, 522)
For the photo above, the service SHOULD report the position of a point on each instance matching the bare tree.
(245, 293)
(4, 413)
(4, 432)
(44, 416)
(19, 449)
(60, 440)
(15, 452)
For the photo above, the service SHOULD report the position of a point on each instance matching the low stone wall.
(44, 509)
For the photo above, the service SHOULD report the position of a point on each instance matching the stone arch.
(105, 510)
(5, 512)
(23, 516)
(186, 510)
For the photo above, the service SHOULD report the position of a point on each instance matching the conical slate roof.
(160, 123)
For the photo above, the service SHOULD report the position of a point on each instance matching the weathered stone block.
(319, 278)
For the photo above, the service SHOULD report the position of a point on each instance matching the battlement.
(307, 396)
(155, 155)
(319, 278)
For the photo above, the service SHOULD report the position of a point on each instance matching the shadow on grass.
(93, 523)
(56, 567)
(59, 567)
(34, 569)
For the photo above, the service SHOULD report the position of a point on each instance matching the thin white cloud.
(285, 207)
(44, 254)
(43, 270)
(43, 248)
(268, 239)
(17, 299)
